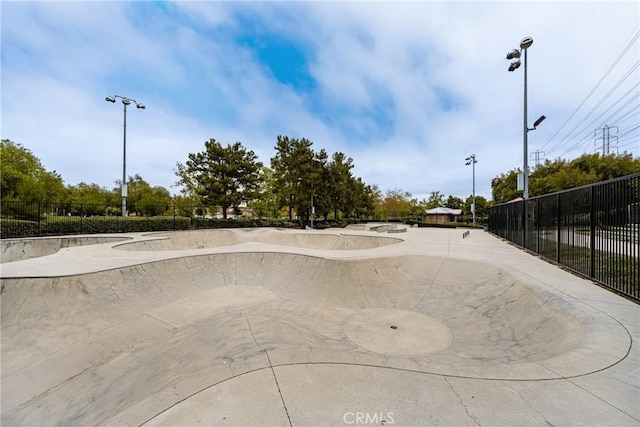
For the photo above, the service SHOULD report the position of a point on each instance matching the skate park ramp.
(201, 239)
(19, 249)
(150, 343)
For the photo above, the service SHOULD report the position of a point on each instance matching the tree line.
(23, 178)
(300, 180)
(217, 177)
(560, 174)
(297, 179)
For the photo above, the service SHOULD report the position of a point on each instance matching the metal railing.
(21, 219)
(593, 230)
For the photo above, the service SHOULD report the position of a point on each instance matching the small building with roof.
(442, 215)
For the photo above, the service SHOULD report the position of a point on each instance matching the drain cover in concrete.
(397, 332)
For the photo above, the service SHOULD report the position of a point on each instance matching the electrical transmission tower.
(538, 156)
(606, 137)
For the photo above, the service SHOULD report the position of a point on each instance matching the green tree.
(24, 178)
(321, 178)
(560, 174)
(607, 166)
(292, 166)
(184, 205)
(339, 183)
(482, 206)
(436, 199)
(396, 204)
(301, 174)
(454, 202)
(142, 198)
(265, 203)
(89, 194)
(312, 185)
(155, 202)
(93, 199)
(220, 176)
(504, 187)
(137, 189)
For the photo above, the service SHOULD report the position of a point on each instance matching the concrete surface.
(334, 327)
(19, 249)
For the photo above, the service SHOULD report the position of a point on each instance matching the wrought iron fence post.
(558, 226)
(524, 223)
(39, 221)
(536, 219)
(592, 243)
(597, 230)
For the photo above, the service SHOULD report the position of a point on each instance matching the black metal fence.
(593, 230)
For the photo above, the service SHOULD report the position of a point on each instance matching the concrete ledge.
(397, 230)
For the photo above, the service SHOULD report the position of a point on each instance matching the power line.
(605, 97)
(628, 131)
(622, 107)
(629, 114)
(587, 138)
(593, 89)
(609, 119)
(635, 141)
(602, 100)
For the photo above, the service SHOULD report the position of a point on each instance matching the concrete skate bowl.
(203, 239)
(20, 249)
(121, 346)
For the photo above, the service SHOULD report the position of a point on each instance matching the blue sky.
(408, 90)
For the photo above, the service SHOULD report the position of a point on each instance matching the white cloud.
(422, 84)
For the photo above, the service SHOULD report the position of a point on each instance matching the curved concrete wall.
(201, 239)
(20, 249)
(478, 303)
(128, 344)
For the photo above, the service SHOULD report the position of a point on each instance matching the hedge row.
(66, 225)
(59, 226)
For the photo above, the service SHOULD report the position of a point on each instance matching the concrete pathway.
(334, 327)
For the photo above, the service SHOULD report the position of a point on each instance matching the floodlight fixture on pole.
(471, 160)
(123, 185)
(537, 122)
(313, 208)
(525, 44)
(514, 65)
(515, 54)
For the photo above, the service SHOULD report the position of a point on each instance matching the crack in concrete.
(461, 402)
(529, 405)
(8, 322)
(434, 280)
(595, 395)
(273, 372)
(133, 309)
(364, 294)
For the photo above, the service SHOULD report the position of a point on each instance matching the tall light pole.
(123, 185)
(313, 209)
(471, 160)
(514, 55)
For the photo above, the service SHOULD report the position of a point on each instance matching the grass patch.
(615, 270)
